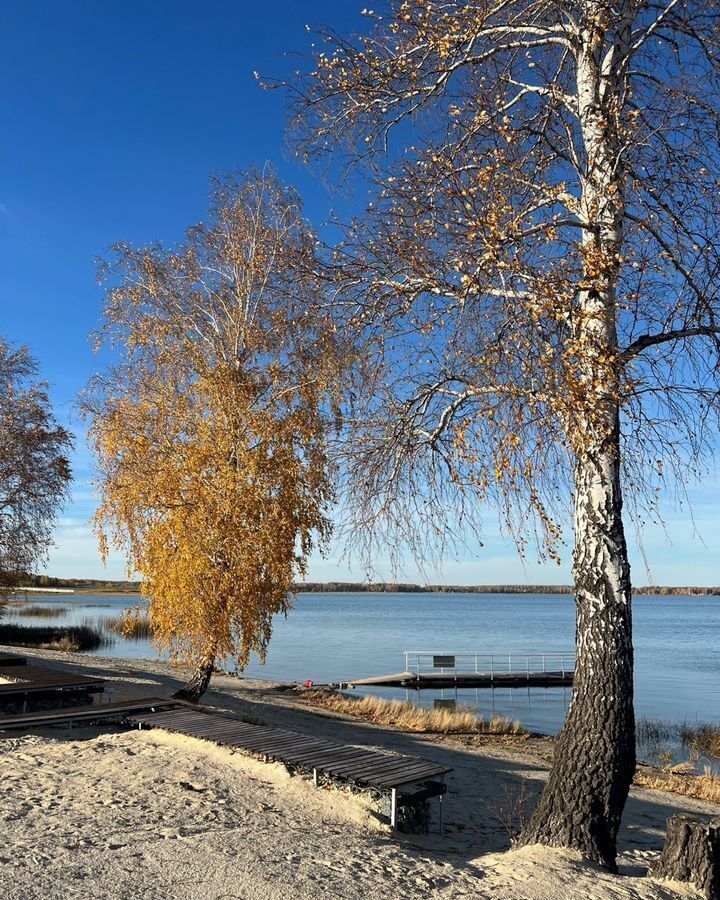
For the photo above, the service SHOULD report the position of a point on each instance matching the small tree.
(34, 468)
(209, 432)
(537, 285)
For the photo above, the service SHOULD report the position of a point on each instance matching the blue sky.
(114, 117)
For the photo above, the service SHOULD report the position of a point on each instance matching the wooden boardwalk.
(368, 768)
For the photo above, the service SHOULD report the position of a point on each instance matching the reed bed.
(130, 626)
(72, 639)
(42, 612)
(407, 717)
(699, 738)
(654, 731)
(702, 738)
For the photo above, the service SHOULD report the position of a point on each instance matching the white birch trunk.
(594, 761)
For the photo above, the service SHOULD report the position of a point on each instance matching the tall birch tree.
(209, 430)
(536, 284)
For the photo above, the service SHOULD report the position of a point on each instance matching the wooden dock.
(425, 680)
(433, 669)
(409, 779)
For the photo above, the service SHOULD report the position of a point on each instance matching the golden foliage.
(210, 432)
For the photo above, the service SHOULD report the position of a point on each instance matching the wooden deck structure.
(408, 779)
(85, 715)
(10, 659)
(22, 680)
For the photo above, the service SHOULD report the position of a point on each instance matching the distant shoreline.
(132, 588)
(390, 588)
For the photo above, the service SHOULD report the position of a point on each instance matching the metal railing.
(466, 663)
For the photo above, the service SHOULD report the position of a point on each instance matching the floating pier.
(426, 669)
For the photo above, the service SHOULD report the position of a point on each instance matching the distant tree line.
(40, 581)
(379, 587)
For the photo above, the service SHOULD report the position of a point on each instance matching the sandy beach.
(110, 813)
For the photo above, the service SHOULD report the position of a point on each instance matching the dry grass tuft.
(411, 718)
(701, 787)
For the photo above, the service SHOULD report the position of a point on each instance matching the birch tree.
(536, 285)
(210, 430)
(34, 466)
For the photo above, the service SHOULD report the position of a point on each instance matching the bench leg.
(315, 777)
(393, 808)
(442, 806)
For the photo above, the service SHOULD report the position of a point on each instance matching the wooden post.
(692, 853)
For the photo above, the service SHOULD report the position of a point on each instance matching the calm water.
(333, 637)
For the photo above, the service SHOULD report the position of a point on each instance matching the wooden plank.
(323, 761)
(244, 738)
(220, 730)
(256, 742)
(272, 737)
(169, 722)
(276, 746)
(200, 723)
(311, 746)
(380, 767)
(380, 770)
(413, 767)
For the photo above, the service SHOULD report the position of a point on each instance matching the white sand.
(95, 813)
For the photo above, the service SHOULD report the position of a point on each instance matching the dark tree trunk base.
(197, 685)
(692, 853)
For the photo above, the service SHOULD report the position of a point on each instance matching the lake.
(338, 637)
